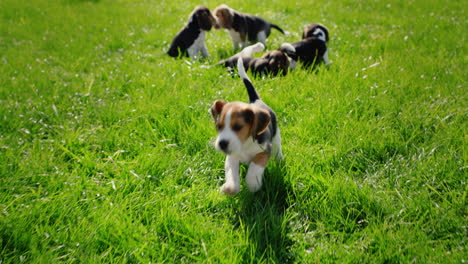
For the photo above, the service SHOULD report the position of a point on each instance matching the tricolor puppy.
(243, 28)
(310, 30)
(312, 49)
(246, 52)
(190, 41)
(271, 63)
(247, 133)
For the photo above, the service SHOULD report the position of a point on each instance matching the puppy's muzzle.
(223, 145)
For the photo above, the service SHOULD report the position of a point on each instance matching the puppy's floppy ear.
(227, 15)
(216, 109)
(200, 18)
(259, 120)
(204, 18)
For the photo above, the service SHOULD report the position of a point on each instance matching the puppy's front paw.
(254, 177)
(254, 183)
(230, 189)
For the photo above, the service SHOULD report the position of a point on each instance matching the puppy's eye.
(237, 127)
(219, 126)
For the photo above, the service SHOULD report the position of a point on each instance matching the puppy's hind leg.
(204, 51)
(192, 52)
(277, 151)
(325, 58)
(261, 37)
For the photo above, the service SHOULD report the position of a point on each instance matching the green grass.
(106, 145)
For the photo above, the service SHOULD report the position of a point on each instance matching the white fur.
(246, 153)
(241, 69)
(320, 34)
(248, 150)
(261, 37)
(325, 58)
(292, 63)
(236, 39)
(243, 152)
(276, 151)
(198, 47)
(231, 168)
(254, 177)
(290, 48)
(250, 50)
(228, 135)
(238, 152)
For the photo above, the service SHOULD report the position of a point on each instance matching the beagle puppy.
(271, 63)
(190, 41)
(312, 49)
(243, 28)
(247, 133)
(310, 30)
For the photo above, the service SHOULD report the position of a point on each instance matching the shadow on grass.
(263, 215)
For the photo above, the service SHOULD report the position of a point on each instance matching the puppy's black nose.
(223, 144)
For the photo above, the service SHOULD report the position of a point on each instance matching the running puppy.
(243, 28)
(312, 49)
(247, 133)
(190, 41)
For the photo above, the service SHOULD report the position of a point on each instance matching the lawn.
(106, 151)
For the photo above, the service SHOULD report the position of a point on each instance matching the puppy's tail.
(253, 95)
(279, 29)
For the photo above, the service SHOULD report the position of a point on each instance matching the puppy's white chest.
(249, 150)
(200, 40)
(197, 45)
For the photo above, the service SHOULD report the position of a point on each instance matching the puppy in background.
(243, 28)
(190, 41)
(310, 31)
(247, 133)
(312, 49)
(271, 63)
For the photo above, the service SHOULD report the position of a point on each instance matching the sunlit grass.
(105, 141)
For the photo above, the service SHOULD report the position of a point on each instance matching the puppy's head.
(224, 16)
(202, 17)
(316, 30)
(290, 51)
(278, 62)
(236, 123)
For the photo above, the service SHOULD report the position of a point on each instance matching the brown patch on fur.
(240, 125)
(216, 109)
(262, 120)
(240, 119)
(246, 120)
(278, 62)
(261, 159)
(224, 15)
(204, 17)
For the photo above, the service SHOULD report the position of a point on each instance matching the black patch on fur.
(309, 51)
(187, 36)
